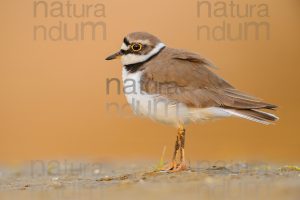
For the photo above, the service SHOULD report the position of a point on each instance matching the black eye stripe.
(126, 41)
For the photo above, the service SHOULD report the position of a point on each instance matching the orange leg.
(178, 161)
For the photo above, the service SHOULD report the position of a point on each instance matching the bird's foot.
(182, 166)
(174, 167)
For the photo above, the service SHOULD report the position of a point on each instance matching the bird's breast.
(154, 106)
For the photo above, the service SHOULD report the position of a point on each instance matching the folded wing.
(185, 77)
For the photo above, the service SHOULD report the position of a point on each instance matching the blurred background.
(53, 99)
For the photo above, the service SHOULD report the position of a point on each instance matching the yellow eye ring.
(136, 47)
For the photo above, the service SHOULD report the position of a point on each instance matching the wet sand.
(83, 180)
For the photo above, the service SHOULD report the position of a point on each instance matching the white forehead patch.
(124, 47)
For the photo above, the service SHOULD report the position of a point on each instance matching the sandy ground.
(84, 180)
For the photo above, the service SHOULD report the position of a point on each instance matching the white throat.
(133, 58)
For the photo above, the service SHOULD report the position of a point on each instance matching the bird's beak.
(114, 56)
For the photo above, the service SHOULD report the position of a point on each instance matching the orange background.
(53, 99)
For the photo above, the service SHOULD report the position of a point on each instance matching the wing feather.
(185, 78)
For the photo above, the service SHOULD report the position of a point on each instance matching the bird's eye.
(136, 46)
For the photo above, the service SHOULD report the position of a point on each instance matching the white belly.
(160, 108)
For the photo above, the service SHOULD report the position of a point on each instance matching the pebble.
(55, 178)
(97, 171)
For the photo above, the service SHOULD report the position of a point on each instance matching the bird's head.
(137, 47)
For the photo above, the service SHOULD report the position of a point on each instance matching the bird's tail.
(254, 115)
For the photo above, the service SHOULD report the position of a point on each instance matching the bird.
(178, 87)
